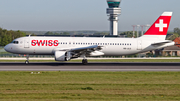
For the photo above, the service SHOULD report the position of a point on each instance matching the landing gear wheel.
(84, 62)
(26, 62)
(27, 59)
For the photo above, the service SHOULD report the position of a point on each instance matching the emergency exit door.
(139, 45)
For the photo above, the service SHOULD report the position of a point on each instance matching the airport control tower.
(113, 11)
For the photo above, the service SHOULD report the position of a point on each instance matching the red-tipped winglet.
(160, 27)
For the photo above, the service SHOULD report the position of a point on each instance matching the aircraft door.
(26, 43)
(139, 45)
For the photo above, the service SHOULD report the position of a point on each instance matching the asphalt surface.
(55, 66)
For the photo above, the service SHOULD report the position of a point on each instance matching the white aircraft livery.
(67, 48)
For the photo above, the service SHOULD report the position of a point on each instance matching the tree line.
(7, 36)
(51, 33)
(177, 31)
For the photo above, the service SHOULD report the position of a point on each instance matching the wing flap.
(84, 48)
(90, 50)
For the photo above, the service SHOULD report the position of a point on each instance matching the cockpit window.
(15, 42)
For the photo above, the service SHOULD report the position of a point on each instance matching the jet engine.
(62, 56)
(96, 53)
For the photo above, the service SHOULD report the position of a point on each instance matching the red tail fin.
(160, 27)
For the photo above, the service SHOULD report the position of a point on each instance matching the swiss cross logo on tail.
(161, 25)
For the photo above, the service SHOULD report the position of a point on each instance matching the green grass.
(108, 60)
(5, 53)
(93, 86)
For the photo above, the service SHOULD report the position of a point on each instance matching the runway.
(70, 66)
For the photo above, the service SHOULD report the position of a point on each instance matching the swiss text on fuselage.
(44, 43)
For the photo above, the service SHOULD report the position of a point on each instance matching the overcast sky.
(68, 15)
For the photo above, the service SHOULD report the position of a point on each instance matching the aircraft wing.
(77, 52)
(85, 50)
(89, 48)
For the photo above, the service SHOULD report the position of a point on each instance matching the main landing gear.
(27, 60)
(84, 61)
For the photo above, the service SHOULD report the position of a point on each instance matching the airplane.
(67, 48)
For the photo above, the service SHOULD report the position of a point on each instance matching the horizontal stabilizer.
(161, 43)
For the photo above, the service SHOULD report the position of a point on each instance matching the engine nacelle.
(62, 56)
(96, 53)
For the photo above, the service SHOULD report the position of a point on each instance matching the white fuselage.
(110, 46)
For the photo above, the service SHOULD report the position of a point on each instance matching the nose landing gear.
(27, 60)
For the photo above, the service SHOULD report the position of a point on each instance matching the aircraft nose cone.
(6, 48)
